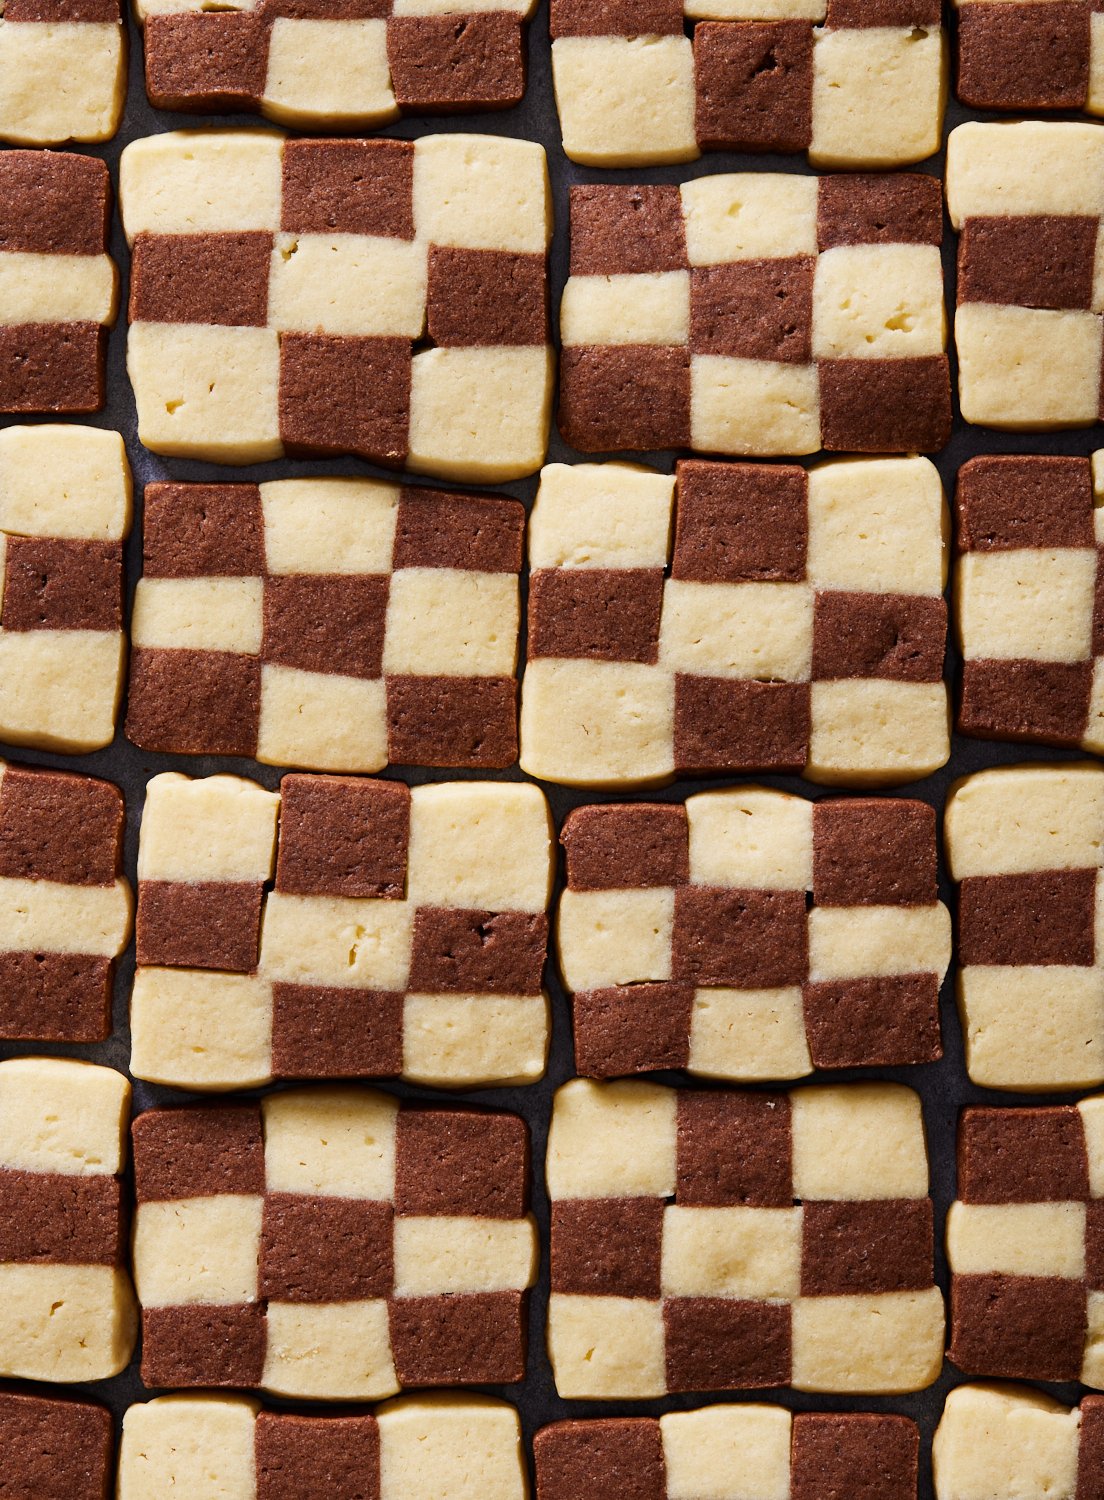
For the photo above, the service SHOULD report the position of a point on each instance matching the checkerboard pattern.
(330, 1244)
(65, 908)
(404, 933)
(44, 41)
(1026, 844)
(730, 1450)
(1027, 200)
(1030, 598)
(663, 81)
(795, 623)
(56, 1450)
(283, 291)
(333, 624)
(756, 314)
(57, 282)
(707, 1241)
(66, 1302)
(1025, 1243)
(1031, 56)
(1007, 1441)
(753, 935)
(350, 64)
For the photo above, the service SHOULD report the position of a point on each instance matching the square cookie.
(65, 905)
(404, 932)
(340, 65)
(1008, 1441)
(66, 1302)
(661, 82)
(736, 617)
(756, 314)
(44, 41)
(1026, 844)
(327, 1244)
(1046, 54)
(441, 1447)
(752, 935)
(58, 285)
(55, 1450)
(1027, 200)
(381, 298)
(709, 1241)
(337, 624)
(65, 502)
(1029, 591)
(729, 1452)
(1025, 1244)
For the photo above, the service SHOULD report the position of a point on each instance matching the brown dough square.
(55, 997)
(884, 1022)
(1028, 260)
(321, 1032)
(607, 1247)
(1018, 1327)
(199, 925)
(194, 702)
(850, 1249)
(885, 405)
(879, 208)
(1024, 500)
(349, 187)
(722, 724)
(456, 62)
(853, 1456)
(203, 1346)
(618, 230)
(635, 1028)
(299, 1456)
(899, 637)
(753, 85)
(616, 18)
(602, 614)
(1030, 57)
(203, 531)
(485, 297)
(721, 1344)
(53, 202)
(323, 1249)
(197, 1152)
(326, 624)
(616, 1458)
(52, 367)
(751, 939)
(626, 845)
(340, 394)
(445, 529)
(874, 851)
(201, 278)
(1090, 1465)
(459, 1340)
(754, 309)
(55, 1449)
(1046, 701)
(462, 1162)
(741, 523)
(625, 396)
(1046, 917)
(734, 1148)
(469, 722)
(343, 836)
(56, 1218)
(57, 826)
(54, 583)
(206, 61)
(1022, 1155)
(460, 952)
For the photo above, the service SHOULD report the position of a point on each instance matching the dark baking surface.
(943, 1086)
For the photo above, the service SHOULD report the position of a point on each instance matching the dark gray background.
(943, 1086)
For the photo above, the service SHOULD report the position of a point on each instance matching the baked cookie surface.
(707, 1241)
(328, 1244)
(855, 83)
(58, 285)
(751, 935)
(1047, 55)
(1004, 1441)
(404, 932)
(1025, 844)
(62, 71)
(331, 623)
(736, 617)
(55, 1450)
(66, 1304)
(279, 288)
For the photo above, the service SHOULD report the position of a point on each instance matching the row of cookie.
(991, 1444)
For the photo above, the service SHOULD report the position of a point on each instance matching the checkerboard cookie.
(62, 71)
(729, 1452)
(328, 1244)
(752, 935)
(58, 285)
(1027, 199)
(1004, 1441)
(65, 907)
(1025, 1243)
(707, 1241)
(1031, 54)
(661, 82)
(66, 1305)
(64, 514)
(55, 1450)
(439, 1447)
(404, 933)
(339, 64)
(793, 622)
(758, 314)
(1026, 845)
(330, 623)
(382, 298)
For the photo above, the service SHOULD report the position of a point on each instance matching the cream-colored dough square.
(753, 406)
(727, 1453)
(997, 1442)
(1092, 1121)
(200, 1446)
(1095, 102)
(201, 182)
(329, 525)
(762, 631)
(61, 81)
(332, 72)
(335, 1351)
(64, 481)
(876, 941)
(1033, 1029)
(480, 415)
(341, 941)
(615, 937)
(748, 1035)
(39, 916)
(878, 96)
(461, 1041)
(1024, 167)
(750, 1253)
(484, 845)
(56, 288)
(625, 100)
(451, 623)
(347, 283)
(601, 516)
(60, 1115)
(878, 525)
(198, 1251)
(597, 723)
(337, 1142)
(197, 1030)
(65, 1323)
(322, 721)
(749, 216)
(1013, 819)
(606, 1347)
(751, 836)
(757, 10)
(1092, 1365)
(1028, 603)
(60, 689)
(858, 1141)
(209, 828)
(878, 301)
(199, 614)
(612, 1140)
(652, 308)
(1028, 368)
(1017, 1239)
(877, 1345)
(440, 1255)
(869, 732)
(457, 1447)
(482, 192)
(1093, 737)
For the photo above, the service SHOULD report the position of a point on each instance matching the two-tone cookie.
(708, 1241)
(404, 932)
(752, 935)
(1031, 56)
(332, 623)
(62, 71)
(736, 617)
(66, 1304)
(1026, 844)
(58, 285)
(382, 298)
(328, 1244)
(1004, 1441)
(661, 82)
(756, 314)
(55, 1449)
